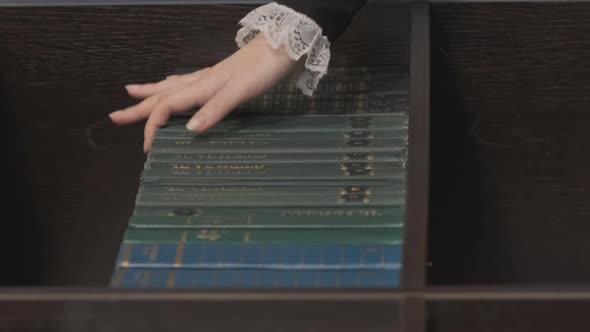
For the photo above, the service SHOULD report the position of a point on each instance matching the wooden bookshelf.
(498, 191)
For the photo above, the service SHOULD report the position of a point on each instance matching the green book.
(372, 236)
(266, 171)
(265, 191)
(291, 218)
(185, 134)
(266, 146)
(364, 196)
(398, 157)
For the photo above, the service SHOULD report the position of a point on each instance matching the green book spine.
(262, 178)
(266, 171)
(297, 218)
(266, 146)
(398, 157)
(335, 197)
(184, 134)
(372, 236)
(219, 180)
(265, 191)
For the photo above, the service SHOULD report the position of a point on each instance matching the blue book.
(196, 278)
(290, 256)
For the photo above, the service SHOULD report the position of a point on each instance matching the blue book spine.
(260, 256)
(241, 278)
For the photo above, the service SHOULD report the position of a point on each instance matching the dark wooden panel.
(73, 176)
(415, 231)
(509, 316)
(510, 131)
(222, 314)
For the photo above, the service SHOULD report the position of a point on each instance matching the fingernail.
(131, 86)
(195, 124)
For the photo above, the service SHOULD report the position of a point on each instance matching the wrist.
(289, 33)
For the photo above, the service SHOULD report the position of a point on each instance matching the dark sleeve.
(333, 16)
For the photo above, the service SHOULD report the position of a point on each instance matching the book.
(254, 278)
(348, 173)
(398, 157)
(245, 218)
(261, 256)
(216, 236)
(376, 196)
(267, 146)
(263, 248)
(184, 134)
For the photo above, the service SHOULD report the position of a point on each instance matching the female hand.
(249, 72)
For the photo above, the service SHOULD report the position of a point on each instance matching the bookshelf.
(498, 188)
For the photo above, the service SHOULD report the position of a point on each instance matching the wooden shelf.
(498, 185)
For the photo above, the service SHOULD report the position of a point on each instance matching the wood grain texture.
(416, 220)
(510, 133)
(62, 70)
(179, 316)
(508, 316)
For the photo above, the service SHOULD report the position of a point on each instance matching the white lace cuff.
(297, 33)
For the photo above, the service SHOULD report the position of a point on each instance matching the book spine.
(230, 189)
(187, 278)
(261, 256)
(195, 217)
(272, 146)
(271, 197)
(205, 172)
(216, 236)
(383, 98)
(147, 179)
(184, 134)
(397, 157)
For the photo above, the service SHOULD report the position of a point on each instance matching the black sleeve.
(333, 16)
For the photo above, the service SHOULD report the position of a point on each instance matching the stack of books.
(284, 200)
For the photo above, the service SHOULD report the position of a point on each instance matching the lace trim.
(297, 33)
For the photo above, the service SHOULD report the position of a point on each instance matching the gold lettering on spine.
(180, 250)
(333, 213)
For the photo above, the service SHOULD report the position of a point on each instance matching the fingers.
(135, 113)
(143, 109)
(142, 91)
(220, 105)
(188, 97)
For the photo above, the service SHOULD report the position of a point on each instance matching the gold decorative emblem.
(357, 156)
(354, 194)
(357, 168)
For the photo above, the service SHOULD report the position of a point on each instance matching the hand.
(249, 72)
